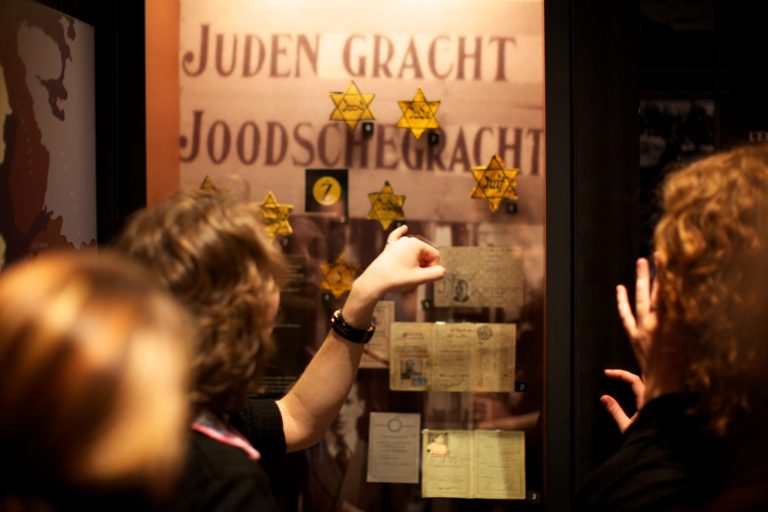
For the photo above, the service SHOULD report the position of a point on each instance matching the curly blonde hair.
(208, 248)
(712, 275)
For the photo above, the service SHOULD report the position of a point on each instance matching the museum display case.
(342, 124)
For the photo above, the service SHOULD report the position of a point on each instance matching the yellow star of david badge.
(352, 106)
(208, 184)
(495, 183)
(275, 216)
(418, 114)
(338, 276)
(386, 206)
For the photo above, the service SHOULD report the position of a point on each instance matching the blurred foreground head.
(208, 248)
(93, 382)
(712, 278)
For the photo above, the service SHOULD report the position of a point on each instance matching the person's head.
(711, 247)
(208, 248)
(93, 379)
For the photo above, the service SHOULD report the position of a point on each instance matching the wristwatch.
(349, 333)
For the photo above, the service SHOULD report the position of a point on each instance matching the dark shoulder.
(222, 477)
(218, 459)
(666, 463)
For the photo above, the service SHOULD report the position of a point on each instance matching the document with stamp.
(411, 344)
(393, 447)
(489, 277)
(452, 357)
(487, 464)
(376, 353)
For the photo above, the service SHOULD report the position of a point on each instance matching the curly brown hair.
(208, 248)
(712, 275)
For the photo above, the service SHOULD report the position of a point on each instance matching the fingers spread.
(638, 386)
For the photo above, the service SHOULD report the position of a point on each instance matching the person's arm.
(314, 401)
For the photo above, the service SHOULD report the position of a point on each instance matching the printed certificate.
(393, 447)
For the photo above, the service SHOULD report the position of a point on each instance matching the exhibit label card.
(393, 447)
(452, 357)
(489, 277)
(487, 464)
(376, 353)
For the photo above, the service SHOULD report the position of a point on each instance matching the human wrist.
(360, 303)
(348, 332)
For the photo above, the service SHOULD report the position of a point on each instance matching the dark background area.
(603, 58)
(617, 55)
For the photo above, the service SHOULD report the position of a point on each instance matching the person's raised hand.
(404, 264)
(642, 325)
(612, 406)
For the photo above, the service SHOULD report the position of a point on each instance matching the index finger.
(397, 233)
(425, 240)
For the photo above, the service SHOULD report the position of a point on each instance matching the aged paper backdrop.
(483, 60)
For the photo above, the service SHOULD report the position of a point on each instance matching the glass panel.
(272, 90)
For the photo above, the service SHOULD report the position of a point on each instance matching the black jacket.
(220, 477)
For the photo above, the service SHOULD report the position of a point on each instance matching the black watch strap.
(349, 333)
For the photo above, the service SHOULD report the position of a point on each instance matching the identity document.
(486, 464)
(452, 357)
(393, 447)
(489, 277)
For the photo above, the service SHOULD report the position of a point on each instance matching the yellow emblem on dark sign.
(495, 183)
(352, 106)
(275, 216)
(338, 276)
(418, 114)
(327, 191)
(386, 206)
